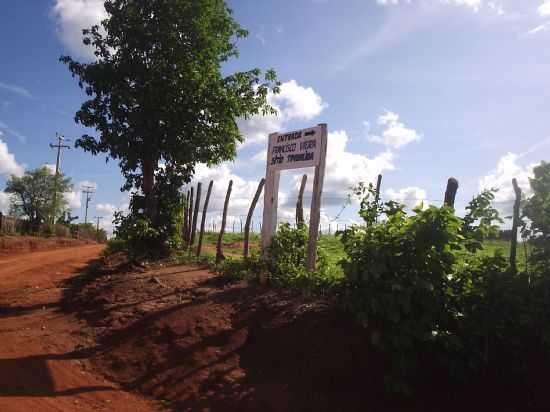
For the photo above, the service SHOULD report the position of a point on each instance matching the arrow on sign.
(310, 133)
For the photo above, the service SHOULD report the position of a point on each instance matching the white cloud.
(8, 164)
(392, 2)
(107, 212)
(475, 5)
(298, 102)
(497, 8)
(241, 195)
(72, 16)
(544, 9)
(257, 128)
(13, 132)
(21, 91)
(501, 179)
(409, 196)
(4, 202)
(540, 28)
(73, 199)
(50, 167)
(344, 170)
(106, 208)
(260, 156)
(87, 184)
(394, 134)
(294, 102)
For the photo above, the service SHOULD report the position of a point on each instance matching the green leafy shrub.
(286, 262)
(153, 237)
(398, 279)
(115, 246)
(416, 283)
(141, 238)
(239, 269)
(536, 214)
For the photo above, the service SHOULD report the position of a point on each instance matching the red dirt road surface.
(43, 365)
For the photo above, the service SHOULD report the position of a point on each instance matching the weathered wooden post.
(300, 202)
(450, 193)
(185, 217)
(190, 218)
(378, 184)
(315, 215)
(515, 225)
(196, 213)
(249, 217)
(219, 251)
(203, 220)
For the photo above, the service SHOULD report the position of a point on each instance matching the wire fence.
(330, 223)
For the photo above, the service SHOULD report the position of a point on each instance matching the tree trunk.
(148, 184)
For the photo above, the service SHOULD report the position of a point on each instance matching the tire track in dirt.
(44, 352)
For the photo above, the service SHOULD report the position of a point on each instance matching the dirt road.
(43, 351)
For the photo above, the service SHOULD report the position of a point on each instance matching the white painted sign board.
(294, 150)
(298, 149)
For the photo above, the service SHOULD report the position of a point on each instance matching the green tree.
(32, 195)
(158, 95)
(537, 213)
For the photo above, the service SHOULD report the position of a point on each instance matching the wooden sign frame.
(271, 196)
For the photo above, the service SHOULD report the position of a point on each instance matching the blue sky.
(417, 90)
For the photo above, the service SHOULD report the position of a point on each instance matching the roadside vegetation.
(426, 285)
(38, 207)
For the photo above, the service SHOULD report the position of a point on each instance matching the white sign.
(302, 148)
(293, 150)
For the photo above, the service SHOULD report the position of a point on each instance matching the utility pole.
(97, 227)
(87, 190)
(59, 146)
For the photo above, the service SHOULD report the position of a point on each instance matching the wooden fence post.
(315, 214)
(450, 193)
(300, 202)
(249, 217)
(190, 218)
(1, 221)
(185, 214)
(515, 225)
(219, 251)
(196, 213)
(203, 221)
(378, 184)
